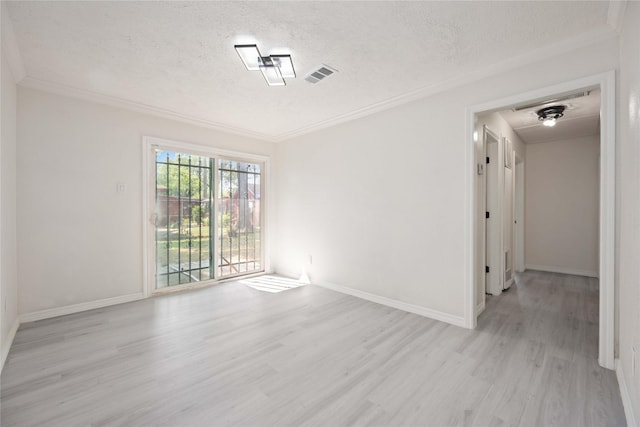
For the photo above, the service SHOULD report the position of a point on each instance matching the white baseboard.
(480, 308)
(508, 284)
(76, 308)
(6, 346)
(554, 269)
(400, 305)
(626, 399)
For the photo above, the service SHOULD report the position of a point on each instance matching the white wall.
(379, 202)
(628, 197)
(561, 204)
(80, 241)
(500, 127)
(8, 260)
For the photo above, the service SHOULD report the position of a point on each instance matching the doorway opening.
(475, 271)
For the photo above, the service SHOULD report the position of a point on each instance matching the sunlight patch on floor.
(272, 284)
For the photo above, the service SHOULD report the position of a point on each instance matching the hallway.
(545, 334)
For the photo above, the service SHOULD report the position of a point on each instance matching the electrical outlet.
(633, 361)
(310, 259)
(121, 188)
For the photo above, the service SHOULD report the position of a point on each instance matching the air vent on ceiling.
(551, 101)
(322, 72)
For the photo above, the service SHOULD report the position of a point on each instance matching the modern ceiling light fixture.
(549, 115)
(274, 68)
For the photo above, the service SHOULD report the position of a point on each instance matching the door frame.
(149, 144)
(518, 214)
(507, 225)
(606, 82)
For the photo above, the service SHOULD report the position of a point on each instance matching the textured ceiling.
(581, 118)
(179, 56)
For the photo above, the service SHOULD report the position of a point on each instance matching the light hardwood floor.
(233, 355)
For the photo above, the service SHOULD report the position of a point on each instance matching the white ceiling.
(581, 118)
(178, 57)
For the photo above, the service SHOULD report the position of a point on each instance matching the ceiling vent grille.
(321, 73)
(551, 101)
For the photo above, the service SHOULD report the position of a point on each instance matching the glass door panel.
(184, 220)
(239, 248)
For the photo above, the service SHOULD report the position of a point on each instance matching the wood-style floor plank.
(231, 355)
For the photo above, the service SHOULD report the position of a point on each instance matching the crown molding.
(567, 45)
(100, 98)
(10, 45)
(14, 58)
(585, 39)
(615, 14)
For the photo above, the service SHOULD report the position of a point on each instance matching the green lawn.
(196, 243)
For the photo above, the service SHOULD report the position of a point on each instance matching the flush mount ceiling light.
(274, 68)
(549, 115)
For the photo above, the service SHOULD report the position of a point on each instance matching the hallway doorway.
(606, 207)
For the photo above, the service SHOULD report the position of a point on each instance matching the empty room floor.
(234, 355)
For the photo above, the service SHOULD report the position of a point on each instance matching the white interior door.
(493, 215)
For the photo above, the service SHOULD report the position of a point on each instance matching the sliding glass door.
(207, 219)
(239, 238)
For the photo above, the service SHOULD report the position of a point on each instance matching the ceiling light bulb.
(549, 115)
